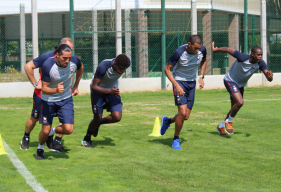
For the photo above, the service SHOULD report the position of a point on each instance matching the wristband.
(35, 84)
(201, 76)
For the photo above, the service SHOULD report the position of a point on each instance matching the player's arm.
(49, 91)
(268, 74)
(79, 73)
(97, 89)
(29, 67)
(203, 66)
(170, 76)
(222, 49)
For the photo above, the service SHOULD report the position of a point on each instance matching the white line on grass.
(30, 180)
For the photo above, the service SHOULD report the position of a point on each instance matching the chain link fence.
(94, 32)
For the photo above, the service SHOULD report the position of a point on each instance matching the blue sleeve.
(204, 52)
(38, 62)
(77, 61)
(263, 65)
(46, 68)
(102, 68)
(240, 56)
(174, 58)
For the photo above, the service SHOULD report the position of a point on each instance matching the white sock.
(229, 120)
(40, 146)
(222, 124)
(52, 132)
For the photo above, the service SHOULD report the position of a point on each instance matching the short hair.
(62, 47)
(195, 39)
(65, 40)
(122, 60)
(255, 49)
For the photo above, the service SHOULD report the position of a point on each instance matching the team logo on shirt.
(198, 57)
(234, 88)
(71, 70)
(44, 119)
(55, 75)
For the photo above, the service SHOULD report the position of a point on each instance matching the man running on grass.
(237, 77)
(56, 96)
(105, 95)
(185, 61)
(32, 120)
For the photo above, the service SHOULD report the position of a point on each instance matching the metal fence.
(94, 32)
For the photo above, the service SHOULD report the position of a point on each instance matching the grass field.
(127, 159)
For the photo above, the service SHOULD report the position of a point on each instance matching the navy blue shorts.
(36, 110)
(233, 88)
(188, 98)
(62, 109)
(105, 101)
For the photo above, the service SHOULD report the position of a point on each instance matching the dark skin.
(183, 111)
(115, 116)
(236, 98)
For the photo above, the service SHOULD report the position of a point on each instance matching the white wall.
(25, 89)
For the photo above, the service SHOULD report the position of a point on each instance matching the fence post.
(71, 23)
(246, 26)
(193, 17)
(128, 41)
(263, 35)
(95, 39)
(22, 37)
(163, 47)
(35, 35)
(118, 27)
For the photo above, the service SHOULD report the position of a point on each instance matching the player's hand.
(39, 86)
(180, 91)
(214, 49)
(115, 92)
(74, 91)
(269, 75)
(60, 87)
(201, 83)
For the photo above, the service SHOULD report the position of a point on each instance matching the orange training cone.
(156, 128)
(2, 149)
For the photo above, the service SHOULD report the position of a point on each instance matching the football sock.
(176, 137)
(57, 140)
(168, 121)
(26, 134)
(222, 124)
(40, 146)
(230, 119)
(52, 132)
(88, 135)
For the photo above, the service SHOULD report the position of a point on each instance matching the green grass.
(127, 159)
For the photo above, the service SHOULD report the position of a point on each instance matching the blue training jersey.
(185, 64)
(54, 75)
(109, 77)
(241, 70)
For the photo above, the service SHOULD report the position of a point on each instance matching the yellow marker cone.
(2, 149)
(156, 128)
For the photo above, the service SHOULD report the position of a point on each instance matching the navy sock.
(57, 140)
(176, 137)
(26, 134)
(88, 135)
(168, 121)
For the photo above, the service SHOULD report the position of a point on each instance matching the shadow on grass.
(167, 141)
(107, 141)
(229, 136)
(51, 155)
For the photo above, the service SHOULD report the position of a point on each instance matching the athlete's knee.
(240, 103)
(68, 129)
(116, 117)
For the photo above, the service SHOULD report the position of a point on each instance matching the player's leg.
(31, 121)
(65, 113)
